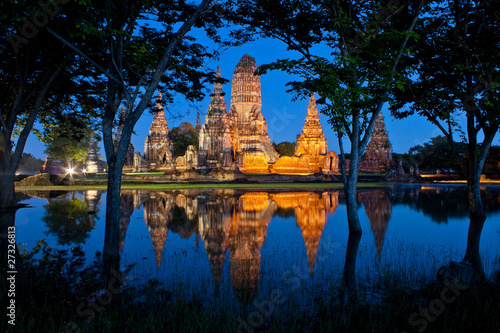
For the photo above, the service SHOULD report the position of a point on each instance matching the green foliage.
(29, 164)
(435, 154)
(285, 148)
(67, 143)
(182, 137)
(68, 220)
(455, 75)
(438, 154)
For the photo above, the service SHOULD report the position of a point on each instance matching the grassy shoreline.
(176, 186)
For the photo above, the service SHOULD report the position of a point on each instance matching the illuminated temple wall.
(311, 154)
(248, 125)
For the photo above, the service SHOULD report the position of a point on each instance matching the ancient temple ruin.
(198, 121)
(238, 142)
(249, 139)
(92, 163)
(311, 154)
(215, 135)
(378, 156)
(158, 148)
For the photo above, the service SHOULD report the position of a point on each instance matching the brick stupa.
(92, 162)
(158, 147)
(311, 154)
(249, 138)
(378, 156)
(215, 134)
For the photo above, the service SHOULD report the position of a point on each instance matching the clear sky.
(285, 118)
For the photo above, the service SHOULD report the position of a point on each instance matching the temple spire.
(312, 110)
(159, 105)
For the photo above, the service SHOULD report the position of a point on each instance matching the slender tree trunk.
(111, 237)
(111, 250)
(352, 181)
(7, 177)
(351, 199)
(477, 218)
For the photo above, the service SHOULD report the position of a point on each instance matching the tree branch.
(183, 30)
(86, 57)
(21, 142)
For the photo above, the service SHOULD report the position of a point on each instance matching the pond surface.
(229, 247)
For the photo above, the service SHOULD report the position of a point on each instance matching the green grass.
(57, 289)
(177, 185)
(144, 173)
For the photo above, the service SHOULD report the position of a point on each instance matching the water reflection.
(378, 208)
(69, 220)
(247, 233)
(235, 224)
(311, 216)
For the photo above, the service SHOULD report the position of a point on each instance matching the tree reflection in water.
(68, 220)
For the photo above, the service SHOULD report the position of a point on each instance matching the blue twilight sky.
(285, 118)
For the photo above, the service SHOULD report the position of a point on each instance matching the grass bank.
(177, 185)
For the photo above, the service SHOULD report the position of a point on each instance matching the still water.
(230, 246)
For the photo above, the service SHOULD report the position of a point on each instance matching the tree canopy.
(183, 136)
(41, 79)
(285, 148)
(454, 79)
(455, 75)
(136, 58)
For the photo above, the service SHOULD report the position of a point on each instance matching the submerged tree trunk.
(112, 230)
(116, 160)
(477, 218)
(349, 276)
(351, 200)
(476, 208)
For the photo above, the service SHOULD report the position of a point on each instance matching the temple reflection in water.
(229, 221)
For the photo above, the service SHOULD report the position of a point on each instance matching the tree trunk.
(476, 209)
(349, 275)
(352, 204)
(477, 218)
(7, 192)
(111, 250)
(352, 182)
